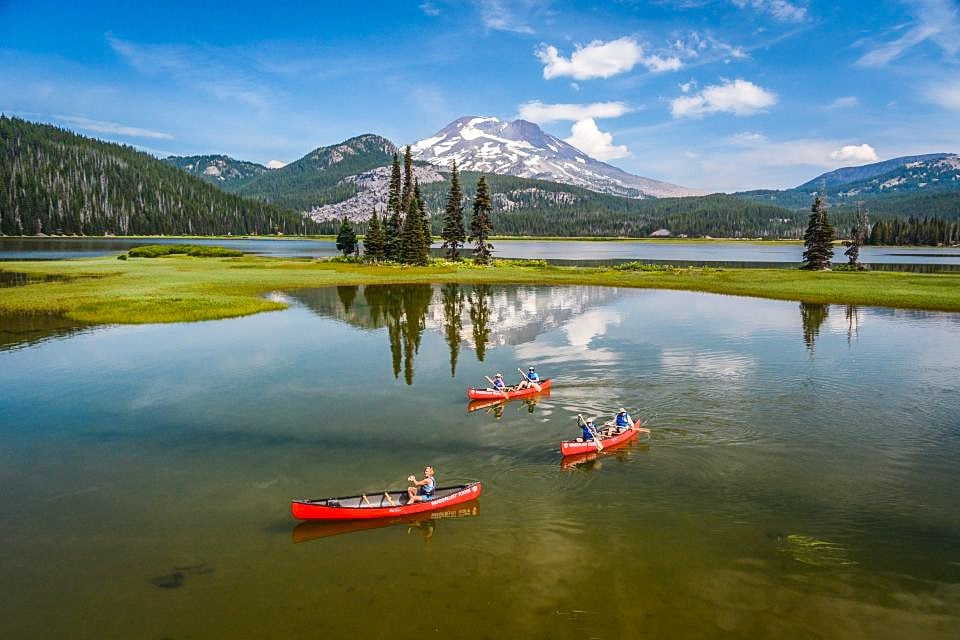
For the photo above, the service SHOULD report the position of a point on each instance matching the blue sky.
(715, 94)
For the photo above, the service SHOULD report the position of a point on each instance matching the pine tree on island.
(480, 225)
(374, 244)
(413, 242)
(454, 234)
(859, 235)
(407, 179)
(346, 238)
(818, 239)
(424, 219)
(393, 224)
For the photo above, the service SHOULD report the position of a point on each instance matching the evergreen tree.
(412, 248)
(454, 234)
(818, 238)
(374, 242)
(407, 179)
(480, 225)
(393, 226)
(424, 220)
(346, 238)
(859, 235)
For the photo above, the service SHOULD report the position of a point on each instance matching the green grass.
(194, 250)
(183, 288)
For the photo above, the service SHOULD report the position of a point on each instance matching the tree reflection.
(403, 310)
(452, 321)
(347, 295)
(812, 316)
(480, 318)
(852, 314)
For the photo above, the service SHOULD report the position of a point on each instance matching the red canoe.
(573, 448)
(315, 529)
(490, 394)
(378, 506)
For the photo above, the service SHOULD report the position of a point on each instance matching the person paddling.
(422, 490)
(498, 382)
(529, 379)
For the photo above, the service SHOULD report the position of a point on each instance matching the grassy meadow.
(182, 288)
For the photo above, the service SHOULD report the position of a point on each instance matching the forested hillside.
(222, 171)
(54, 181)
(315, 179)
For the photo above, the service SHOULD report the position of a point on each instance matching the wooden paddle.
(535, 385)
(503, 391)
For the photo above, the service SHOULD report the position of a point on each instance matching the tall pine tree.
(454, 233)
(818, 238)
(480, 225)
(412, 248)
(424, 220)
(393, 225)
(374, 243)
(407, 179)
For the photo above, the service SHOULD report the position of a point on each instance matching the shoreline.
(105, 290)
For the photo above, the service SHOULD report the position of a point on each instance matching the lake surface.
(590, 252)
(801, 480)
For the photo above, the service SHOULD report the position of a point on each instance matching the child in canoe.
(422, 490)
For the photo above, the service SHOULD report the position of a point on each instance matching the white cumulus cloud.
(602, 60)
(595, 143)
(854, 153)
(739, 97)
(276, 164)
(536, 111)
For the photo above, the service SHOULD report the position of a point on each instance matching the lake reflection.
(800, 480)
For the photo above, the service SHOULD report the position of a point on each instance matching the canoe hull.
(574, 448)
(486, 394)
(319, 510)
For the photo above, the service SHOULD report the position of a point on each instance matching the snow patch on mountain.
(521, 148)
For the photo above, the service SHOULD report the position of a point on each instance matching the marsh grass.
(182, 288)
(194, 250)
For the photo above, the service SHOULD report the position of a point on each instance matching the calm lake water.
(574, 251)
(801, 480)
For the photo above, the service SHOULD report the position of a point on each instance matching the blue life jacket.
(587, 433)
(426, 490)
(533, 377)
(498, 384)
(623, 420)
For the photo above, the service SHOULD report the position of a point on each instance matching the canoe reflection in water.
(424, 523)
(594, 461)
(496, 407)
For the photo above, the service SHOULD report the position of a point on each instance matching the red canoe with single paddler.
(384, 504)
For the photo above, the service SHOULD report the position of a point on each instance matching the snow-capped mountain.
(523, 149)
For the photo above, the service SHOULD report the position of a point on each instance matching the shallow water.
(800, 481)
(583, 252)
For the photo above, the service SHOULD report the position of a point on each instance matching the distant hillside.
(910, 186)
(315, 179)
(53, 181)
(222, 171)
(847, 175)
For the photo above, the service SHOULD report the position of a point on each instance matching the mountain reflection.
(478, 316)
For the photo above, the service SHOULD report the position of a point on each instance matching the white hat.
(622, 410)
(499, 375)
